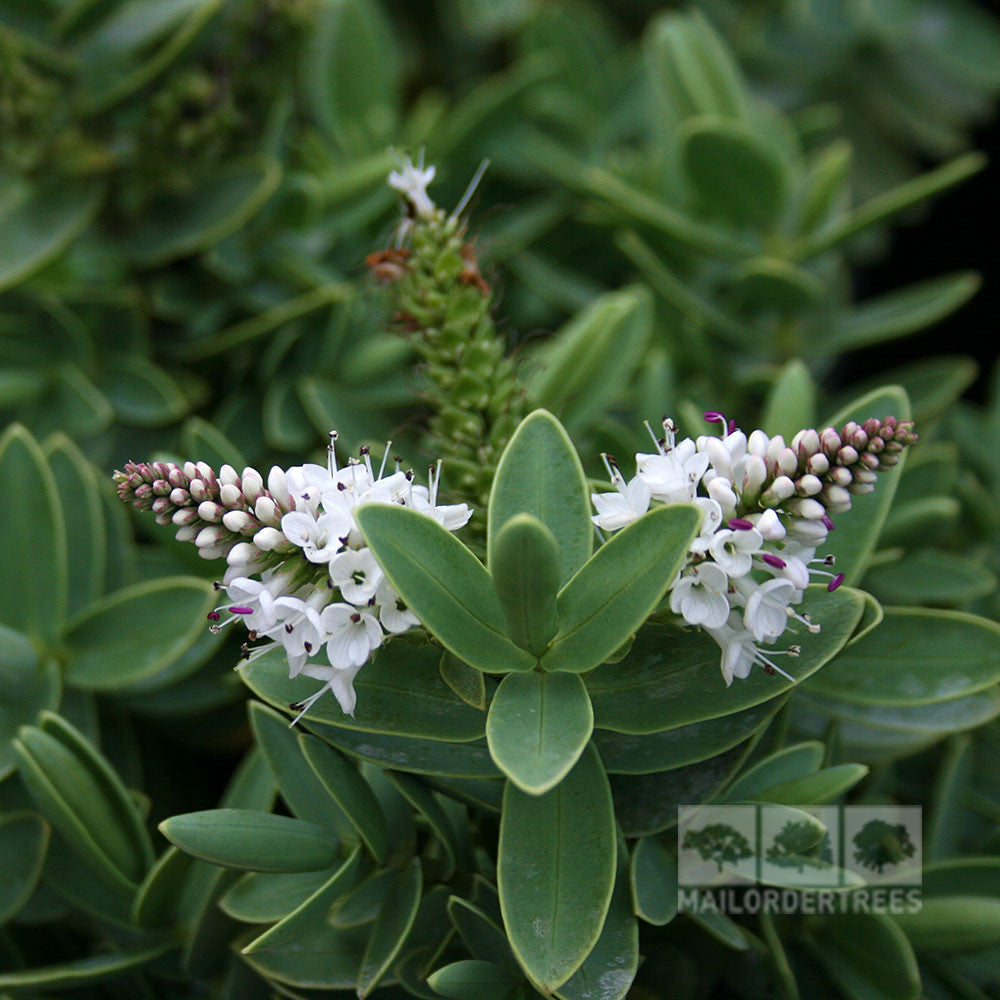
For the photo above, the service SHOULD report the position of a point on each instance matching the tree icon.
(718, 842)
(879, 843)
(795, 846)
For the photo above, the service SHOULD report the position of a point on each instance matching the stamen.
(770, 667)
(835, 582)
(470, 190)
(213, 616)
(827, 522)
(774, 561)
(355, 618)
(239, 609)
(366, 454)
(660, 445)
(740, 524)
(385, 457)
(331, 455)
(669, 432)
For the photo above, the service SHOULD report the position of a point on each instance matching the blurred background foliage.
(677, 203)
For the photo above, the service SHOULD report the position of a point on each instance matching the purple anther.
(835, 582)
(740, 524)
(239, 609)
(828, 522)
(213, 616)
(773, 560)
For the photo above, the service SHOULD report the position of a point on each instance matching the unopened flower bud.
(788, 462)
(177, 478)
(161, 469)
(875, 444)
(770, 527)
(808, 533)
(186, 515)
(209, 510)
(188, 533)
(817, 464)
(754, 477)
(278, 488)
(231, 495)
(268, 539)
(774, 448)
(859, 488)
(212, 551)
(830, 442)
(808, 486)
(811, 510)
(872, 426)
(835, 498)
(721, 492)
(190, 470)
(805, 443)
(865, 476)
(161, 505)
(228, 476)
(859, 439)
(266, 511)
(757, 443)
(161, 487)
(252, 484)
(781, 489)
(236, 520)
(847, 455)
(840, 476)
(869, 461)
(241, 554)
(207, 474)
(210, 536)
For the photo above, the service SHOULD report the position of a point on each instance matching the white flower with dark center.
(699, 596)
(628, 504)
(338, 680)
(765, 613)
(394, 615)
(738, 651)
(299, 628)
(672, 476)
(734, 550)
(319, 537)
(711, 521)
(356, 574)
(352, 634)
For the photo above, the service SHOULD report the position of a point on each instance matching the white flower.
(738, 651)
(352, 635)
(320, 537)
(628, 504)
(711, 521)
(765, 614)
(394, 615)
(734, 550)
(700, 596)
(339, 680)
(412, 181)
(673, 476)
(299, 628)
(357, 575)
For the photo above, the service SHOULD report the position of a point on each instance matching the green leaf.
(733, 171)
(625, 753)
(24, 839)
(953, 924)
(930, 576)
(415, 756)
(400, 693)
(926, 521)
(538, 726)
(556, 871)
(467, 682)
(342, 782)
(791, 403)
(265, 897)
(525, 571)
(29, 684)
(910, 659)
(609, 970)
(653, 881)
(776, 769)
(297, 782)
(866, 956)
(323, 958)
(444, 585)
(252, 840)
(422, 799)
(82, 971)
(823, 786)
(33, 570)
(156, 902)
(83, 520)
(71, 789)
(614, 592)
(579, 371)
(898, 313)
(723, 928)
(362, 903)
(540, 474)
(311, 910)
(141, 393)
(671, 679)
(203, 442)
(472, 979)
(871, 618)
(187, 225)
(858, 529)
(772, 284)
(112, 643)
(483, 938)
(396, 916)
(38, 222)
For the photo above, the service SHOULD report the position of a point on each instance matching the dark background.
(961, 231)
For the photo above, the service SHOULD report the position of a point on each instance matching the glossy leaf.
(910, 659)
(323, 958)
(525, 571)
(671, 679)
(342, 782)
(156, 902)
(83, 971)
(33, 570)
(251, 840)
(653, 882)
(485, 940)
(113, 642)
(444, 584)
(467, 682)
(930, 577)
(266, 897)
(473, 979)
(777, 768)
(400, 693)
(953, 924)
(791, 402)
(556, 871)
(30, 685)
(422, 799)
(538, 726)
(614, 592)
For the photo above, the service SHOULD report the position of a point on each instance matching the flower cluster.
(766, 507)
(299, 574)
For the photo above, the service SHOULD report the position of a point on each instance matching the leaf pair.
(545, 606)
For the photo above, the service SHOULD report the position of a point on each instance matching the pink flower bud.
(188, 533)
(231, 495)
(228, 476)
(190, 470)
(788, 462)
(186, 515)
(209, 510)
(818, 464)
(253, 485)
(236, 520)
(830, 442)
(210, 536)
(847, 455)
(808, 486)
(840, 476)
